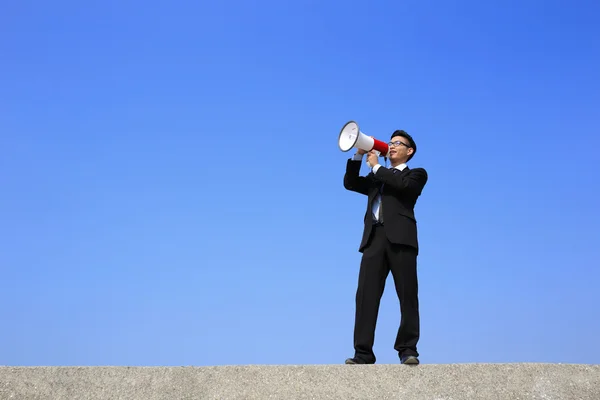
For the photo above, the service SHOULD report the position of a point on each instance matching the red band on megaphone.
(381, 147)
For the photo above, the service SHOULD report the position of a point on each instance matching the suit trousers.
(379, 258)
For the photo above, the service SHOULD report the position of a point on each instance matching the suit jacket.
(400, 194)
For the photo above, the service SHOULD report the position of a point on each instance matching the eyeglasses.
(398, 143)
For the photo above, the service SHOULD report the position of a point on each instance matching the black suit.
(391, 246)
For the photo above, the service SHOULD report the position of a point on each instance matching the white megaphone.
(351, 137)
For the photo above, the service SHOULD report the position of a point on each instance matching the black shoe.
(355, 360)
(410, 360)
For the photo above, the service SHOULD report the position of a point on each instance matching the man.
(389, 243)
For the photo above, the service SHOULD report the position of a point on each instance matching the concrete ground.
(432, 382)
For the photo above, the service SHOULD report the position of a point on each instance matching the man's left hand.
(372, 159)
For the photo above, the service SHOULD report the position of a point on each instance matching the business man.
(389, 243)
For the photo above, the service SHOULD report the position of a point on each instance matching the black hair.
(411, 141)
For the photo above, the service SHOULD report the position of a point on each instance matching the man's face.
(399, 149)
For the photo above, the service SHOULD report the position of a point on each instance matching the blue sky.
(172, 185)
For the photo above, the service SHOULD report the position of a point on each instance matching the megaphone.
(351, 137)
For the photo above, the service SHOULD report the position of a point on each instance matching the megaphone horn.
(351, 137)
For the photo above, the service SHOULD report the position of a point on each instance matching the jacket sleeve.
(352, 180)
(411, 184)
